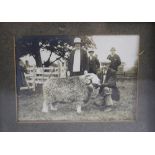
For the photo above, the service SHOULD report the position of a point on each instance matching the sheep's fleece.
(76, 89)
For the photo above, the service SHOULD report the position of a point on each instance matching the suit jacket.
(115, 61)
(94, 64)
(110, 81)
(83, 63)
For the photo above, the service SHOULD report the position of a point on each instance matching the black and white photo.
(76, 78)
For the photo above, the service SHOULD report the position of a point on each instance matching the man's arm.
(109, 57)
(118, 60)
(69, 64)
(97, 63)
(86, 60)
(111, 83)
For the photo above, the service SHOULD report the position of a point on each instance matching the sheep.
(76, 89)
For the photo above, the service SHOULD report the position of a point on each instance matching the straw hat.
(77, 40)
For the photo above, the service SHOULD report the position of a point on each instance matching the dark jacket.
(115, 61)
(20, 77)
(94, 65)
(110, 81)
(83, 63)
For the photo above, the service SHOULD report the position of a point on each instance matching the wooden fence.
(38, 75)
(126, 75)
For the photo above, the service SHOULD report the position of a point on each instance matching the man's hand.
(68, 73)
(104, 85)
(96, 85)
(85, 72)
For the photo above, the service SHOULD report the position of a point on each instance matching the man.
(108, 89)
(93, 62)
(20, 77)
(114, 58)
(78, 61)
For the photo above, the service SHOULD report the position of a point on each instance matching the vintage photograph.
(76, 78)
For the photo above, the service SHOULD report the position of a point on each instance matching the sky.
(126, 46)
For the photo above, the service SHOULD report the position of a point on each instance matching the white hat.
(77, 40)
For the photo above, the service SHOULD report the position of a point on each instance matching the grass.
(30, 105)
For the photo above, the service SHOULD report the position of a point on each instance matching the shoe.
(99, 105)
(108, 109)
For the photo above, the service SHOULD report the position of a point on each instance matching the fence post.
(58, 69)
(34, 78)
(43, 74)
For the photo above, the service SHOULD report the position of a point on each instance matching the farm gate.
(38, 75)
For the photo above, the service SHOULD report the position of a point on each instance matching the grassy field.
(30, 105)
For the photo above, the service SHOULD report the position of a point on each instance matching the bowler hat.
(91, 51)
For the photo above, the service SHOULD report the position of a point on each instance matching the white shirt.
(104, 75)
(91, 57)
(76, 61)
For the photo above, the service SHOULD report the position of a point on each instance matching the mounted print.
(76, 78)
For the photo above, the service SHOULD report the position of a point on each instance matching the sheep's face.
(85, 79)
(90, 79)
(92, 82)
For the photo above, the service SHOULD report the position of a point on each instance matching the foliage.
(60, 45)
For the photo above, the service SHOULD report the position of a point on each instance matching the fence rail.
(126, 75)
(38, 75)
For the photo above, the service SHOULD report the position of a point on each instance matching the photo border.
(145, 113)
(135, 105)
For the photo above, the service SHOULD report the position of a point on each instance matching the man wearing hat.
(114, 58)
(93, 62)
(78, 61)
(108, 89)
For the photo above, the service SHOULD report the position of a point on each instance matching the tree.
(60, 45)
(30, 46)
